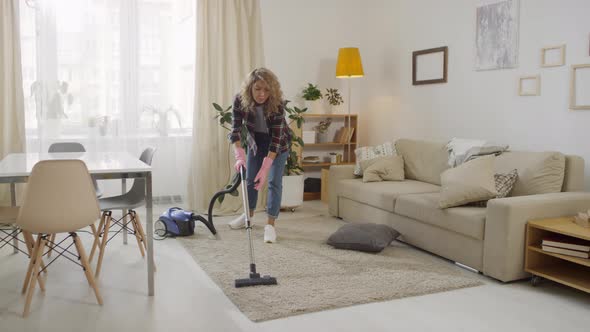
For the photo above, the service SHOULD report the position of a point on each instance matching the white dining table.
(16, 168)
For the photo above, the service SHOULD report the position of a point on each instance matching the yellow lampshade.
(349, 63)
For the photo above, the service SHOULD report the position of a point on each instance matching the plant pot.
(323, 137)
(337, 109)
(314, 106)
(292, 191)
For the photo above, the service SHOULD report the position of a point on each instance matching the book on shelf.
(349, 132)
(345, 135)
(338, 136)
(563, 251)
(567, 243)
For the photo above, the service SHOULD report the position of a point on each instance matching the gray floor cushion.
(363, 237)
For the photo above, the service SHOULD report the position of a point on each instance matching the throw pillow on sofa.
(363, 237)
(470, 182)
(383, 169)
(504, 185)
(372, 152)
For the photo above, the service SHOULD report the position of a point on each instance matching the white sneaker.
(239, 222)
(270, 236)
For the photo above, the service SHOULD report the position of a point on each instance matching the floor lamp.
(349, 65)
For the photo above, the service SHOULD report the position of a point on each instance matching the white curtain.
(12, 135)
(229, 45)
(115, 76)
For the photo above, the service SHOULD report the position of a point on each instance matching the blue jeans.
(275, 181)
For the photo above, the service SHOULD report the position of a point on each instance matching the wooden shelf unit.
(343, 120)
(568, 270)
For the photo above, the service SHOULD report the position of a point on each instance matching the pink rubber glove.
(260, 178)
(240, 155)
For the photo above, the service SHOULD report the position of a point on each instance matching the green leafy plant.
(311, 92)
(296, 116)
(323, 126)
(334, 97)
(224, 119)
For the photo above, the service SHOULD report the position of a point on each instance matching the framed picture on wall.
(430, 66)
(529, 86)
(496, 36)
(580, 87)
(553, 56)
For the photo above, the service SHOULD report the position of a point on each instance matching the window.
(119, 64)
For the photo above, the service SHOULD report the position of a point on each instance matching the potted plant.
(312, 96)
(293, 178)
(334, 99)
(322, 130)
(160, 118)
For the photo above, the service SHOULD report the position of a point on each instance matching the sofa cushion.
(538, 172)
(383, 169)
(423, 161)
(469, 182)
(363, 237)
(466, 220)
(381, 195)
(371, 152)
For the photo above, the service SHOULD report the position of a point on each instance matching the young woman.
(259, 106)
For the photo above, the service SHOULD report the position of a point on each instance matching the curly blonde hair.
(275, 98)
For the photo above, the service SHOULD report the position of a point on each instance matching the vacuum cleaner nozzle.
(256, 280)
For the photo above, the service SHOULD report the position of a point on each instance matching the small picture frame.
(529, 86)
(430, 66)
(553, 56)
(580, 87)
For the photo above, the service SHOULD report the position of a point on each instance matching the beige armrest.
(337, 172)
(504, 238)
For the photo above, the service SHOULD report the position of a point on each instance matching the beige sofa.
(489, 239)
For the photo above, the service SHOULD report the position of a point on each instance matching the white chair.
(130, 200)
(60, 198)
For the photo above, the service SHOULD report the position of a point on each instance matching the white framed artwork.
(496, 38)
(553, 56)
(580, 87)
(529, 85)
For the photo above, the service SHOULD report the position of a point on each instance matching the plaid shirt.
(279, 131)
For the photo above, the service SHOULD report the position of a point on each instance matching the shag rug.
(313, 276)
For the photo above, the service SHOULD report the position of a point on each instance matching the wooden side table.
(568, 270)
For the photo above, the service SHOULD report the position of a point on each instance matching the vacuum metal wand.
(247, 221)
(254, 279)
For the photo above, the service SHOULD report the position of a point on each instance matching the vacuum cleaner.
(255, 279)
(178, 222)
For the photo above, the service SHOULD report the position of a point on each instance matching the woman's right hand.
(240, 156)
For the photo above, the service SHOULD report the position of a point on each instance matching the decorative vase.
(337, 109)
(292, 191)
(314, 106)
(323, 137)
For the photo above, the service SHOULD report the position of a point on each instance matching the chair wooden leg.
(137, 235)
(87, 268)
(30, 243)
(50, 245)
(105, 237)
(35, 275)
(140, 229)
(141, 233)
(96, 236)
(29, 240)
(33, 254)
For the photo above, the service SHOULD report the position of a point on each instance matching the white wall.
(485, 104)
(302, 37)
